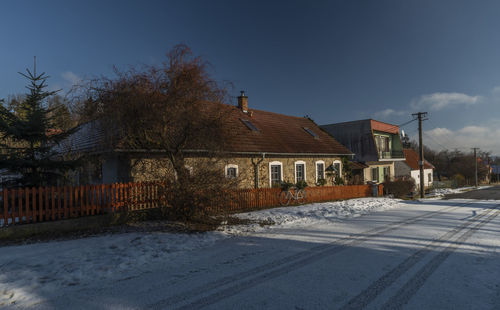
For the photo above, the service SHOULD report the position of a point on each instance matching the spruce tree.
(28, 138)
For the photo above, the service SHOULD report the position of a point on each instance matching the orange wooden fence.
(252, 199)
(40, 204)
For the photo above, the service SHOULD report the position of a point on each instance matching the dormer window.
(249, 124)
(312, 133)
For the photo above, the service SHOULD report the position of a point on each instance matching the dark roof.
(356, 165)
(278, 133)
(88, 138)
(412, 160)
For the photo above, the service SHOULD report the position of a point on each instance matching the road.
(432, 254)
(485, 193)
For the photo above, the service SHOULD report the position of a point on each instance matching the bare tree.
(173, 110)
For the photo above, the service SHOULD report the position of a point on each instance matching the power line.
(437, 142)
(447, 135)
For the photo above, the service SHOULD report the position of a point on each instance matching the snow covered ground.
(439, 192)
(312, 257)
(311, 214)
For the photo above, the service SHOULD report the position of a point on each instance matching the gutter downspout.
(256, 169)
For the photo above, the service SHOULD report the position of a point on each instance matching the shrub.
(458, 180)
(301, 184)
(321, 182)
(339, 181)
(399, 187)
(286, 185)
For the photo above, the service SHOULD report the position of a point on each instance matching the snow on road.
(327, 248)
(439, 192)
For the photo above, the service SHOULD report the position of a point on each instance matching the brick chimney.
(243, 102)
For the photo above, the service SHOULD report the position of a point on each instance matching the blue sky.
(332, 60)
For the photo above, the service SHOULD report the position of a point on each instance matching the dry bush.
(399, 187)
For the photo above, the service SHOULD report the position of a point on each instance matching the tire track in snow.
(405, 293)
(278, 267)
(371, 292)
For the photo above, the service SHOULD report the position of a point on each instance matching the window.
(249, 124)
(312, 133)
(338, 168)
(429, 178)
(300, 171)
(382, 143)
(320, 170)
(231, 171)
(387, 173)
(375, 174)
(275, 173)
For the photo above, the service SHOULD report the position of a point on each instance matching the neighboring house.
(495, 173)
(410, 167)
(263, 149)
(376, 144)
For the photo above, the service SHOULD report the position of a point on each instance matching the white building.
(410, 167)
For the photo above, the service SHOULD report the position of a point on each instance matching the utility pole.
(475, 165)
(420, 116)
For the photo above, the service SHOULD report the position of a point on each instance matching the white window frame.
(275, 163)
(316, 167)
(336, 161)
(300, 162)
(226, 168)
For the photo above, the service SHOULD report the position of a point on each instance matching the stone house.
(375, 144)
(262, 149)
(411, 168)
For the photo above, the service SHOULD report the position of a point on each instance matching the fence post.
(53, 202)
(20, 204)
(5, 193)
(59, 203)
(40, 204)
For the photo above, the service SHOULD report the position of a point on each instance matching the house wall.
(115, 169)
(152, 169)
(415, 174)
(401, 169)
(368, 171)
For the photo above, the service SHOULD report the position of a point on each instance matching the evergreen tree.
(28, 137)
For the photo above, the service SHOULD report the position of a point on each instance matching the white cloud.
(439, 101)
(71, 78)
(384, 114)
(484, 136)
(434, 102)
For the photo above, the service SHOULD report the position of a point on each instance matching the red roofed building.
(262, 148)
(376, 144)
(410, 167)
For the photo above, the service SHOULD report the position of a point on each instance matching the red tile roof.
(412, 160)
(278, 133)
(385, 127)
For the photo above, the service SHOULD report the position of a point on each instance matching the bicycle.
(297, 194)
